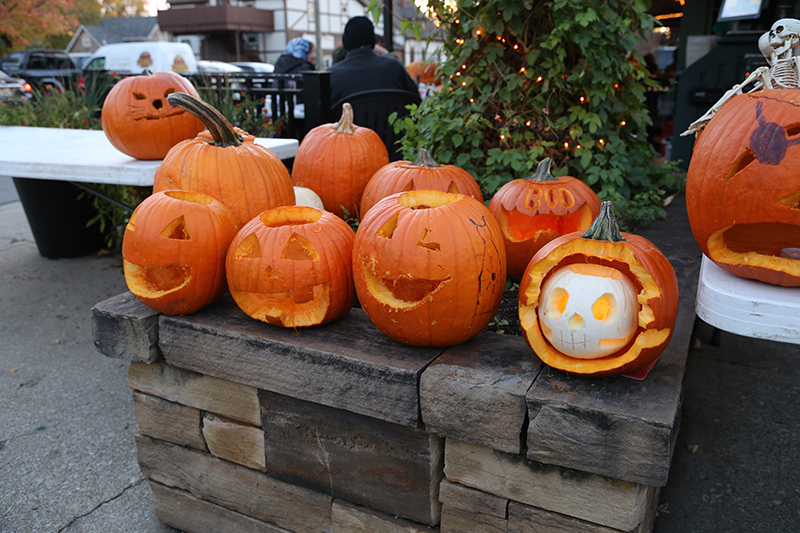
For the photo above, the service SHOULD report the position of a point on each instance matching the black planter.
(58, 218)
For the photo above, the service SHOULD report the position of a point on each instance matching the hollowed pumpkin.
(743, 187)
(174, 250)
(429, 267)
(598, 303)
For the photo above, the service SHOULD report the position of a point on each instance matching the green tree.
(121, 8)
(25, 21)
(528, 79)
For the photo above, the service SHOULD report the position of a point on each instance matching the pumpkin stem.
(605, 226)
(425, 159)
(221, 130)
(345, 124)
(542, 172)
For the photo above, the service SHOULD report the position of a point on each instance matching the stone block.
(349, 518)
(168, 421)
(235, 442)
(475, 392)
(125, 328)
(469, 499)
(233, 400)
(387, 467)
(235, 487)
(348, 364)
(455, 520)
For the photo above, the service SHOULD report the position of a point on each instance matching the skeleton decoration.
(780, 48)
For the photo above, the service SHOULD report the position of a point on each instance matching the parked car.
(252, 66)
(133, 58)
(45, 70)
(13, 88)
(205, 65)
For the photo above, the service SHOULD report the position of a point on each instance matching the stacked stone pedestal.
(248, 427)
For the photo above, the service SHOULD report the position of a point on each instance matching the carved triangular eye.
(177, 230)
(248, 248)
(452, 187)
(792, 201)
(300, 249)
(387, 230)
(430, 245)
(409, 186)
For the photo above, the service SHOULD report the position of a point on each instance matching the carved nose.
(575, 322)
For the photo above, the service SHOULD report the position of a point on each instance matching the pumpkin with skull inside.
(291, 267)
(225, 163)
(174, 250)
(534, 211)
(429, 267)
(599, 303)
(424, 173)
(743, 187)
(139, 121)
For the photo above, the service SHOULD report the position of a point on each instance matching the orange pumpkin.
(225, 163)
(337, 160)
(291, 267)
(534, 211)
(424, 173)
(599, 303)
(743, 187)
(424, 72)
(429, 267)
(139, 121)
(174, 250)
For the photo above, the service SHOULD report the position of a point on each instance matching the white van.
(133, 58)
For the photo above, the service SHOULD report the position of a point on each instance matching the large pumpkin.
(535, 210)
(337, 160)
(424, 72)
(599, 303)
(424, 173)
(174, 250)
(226, 164)
(291, 267)
(743, 187)
(429, 267)
(139, 121)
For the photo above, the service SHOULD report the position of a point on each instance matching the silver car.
(14, 88)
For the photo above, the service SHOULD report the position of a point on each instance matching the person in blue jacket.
(297, 57)
(362, 69)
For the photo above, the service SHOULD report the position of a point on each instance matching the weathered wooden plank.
(235, 487)
(348, 364)
(235, 442)
(475, 392)
(602, 500)
(168, 421)
(617, 427)
(387, 467)
(183, 511)
(455, 520)
(469, 499)
(233, 400)
(350, 518)
(125, 328)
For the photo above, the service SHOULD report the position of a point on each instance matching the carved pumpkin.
(429, 267)
(599, 303)
(337, 160)
(424, 173)
(225, 163)
(291, 267)
(534, 211)
(174, 250)
(424, 72)
(139, 121)
(743, 187)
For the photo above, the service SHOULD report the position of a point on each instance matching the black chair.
(371, 109)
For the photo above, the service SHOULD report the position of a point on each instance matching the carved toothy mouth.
(757, 245)
(402, 293)
(156, 281)
(289, 308)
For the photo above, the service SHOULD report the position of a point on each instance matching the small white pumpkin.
(307, 197)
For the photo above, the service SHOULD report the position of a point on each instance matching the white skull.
(588, 311)
(784, 35)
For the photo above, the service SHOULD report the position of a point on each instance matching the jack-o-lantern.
(424, 72)
(424, 173)
(599, 303)
(743, 187)
(139, 121)
(291, 267)
(224, 162)
(429, 267)
(534, 211)
(174, 250)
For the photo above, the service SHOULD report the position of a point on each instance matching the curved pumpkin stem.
(221, 130)
(542, 172)
(345, 124)
(605, 226)
(425, 159)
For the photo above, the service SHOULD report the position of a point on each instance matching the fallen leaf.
(692, 448)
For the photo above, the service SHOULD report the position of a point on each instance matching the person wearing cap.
(297, 57)
(362, 69)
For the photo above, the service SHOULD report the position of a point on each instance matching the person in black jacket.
(298, 56)
(362, 69)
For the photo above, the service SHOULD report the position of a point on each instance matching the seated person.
(362, 69)
(298, 56)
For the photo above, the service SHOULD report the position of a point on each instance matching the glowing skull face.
(588, 311)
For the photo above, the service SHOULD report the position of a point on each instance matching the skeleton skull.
(588, 311)
(783, 36)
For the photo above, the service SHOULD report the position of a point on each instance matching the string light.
(622, 123)
(522, 70)
(602, 142)
(566, 145)
(539, 79)
(583, 100)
